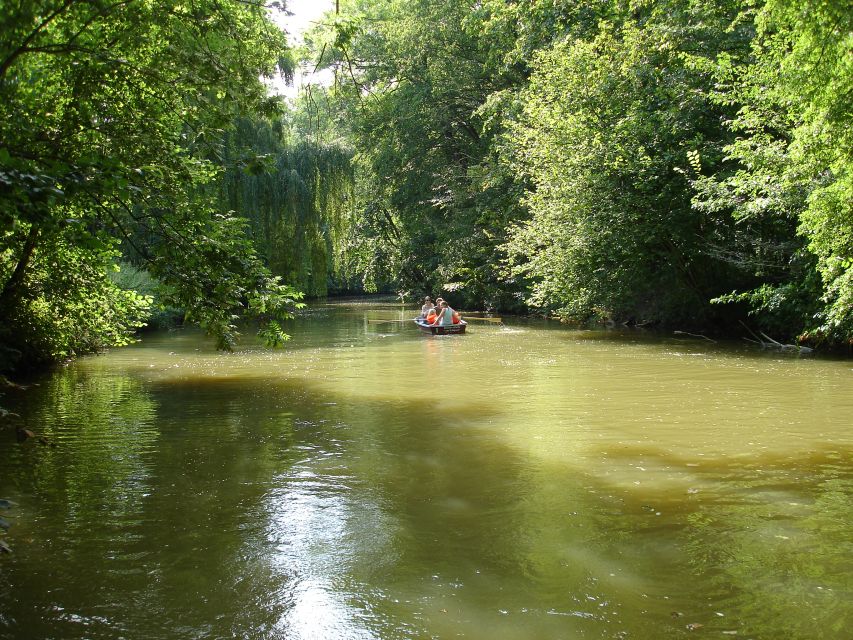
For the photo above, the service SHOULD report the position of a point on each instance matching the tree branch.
(10, 59)
(13, 284)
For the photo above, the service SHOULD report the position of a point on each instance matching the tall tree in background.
(462, 131)
(297, 197)
(108, 111)
(790, 187)
(632, 160)
(612, 123)
(410, 78)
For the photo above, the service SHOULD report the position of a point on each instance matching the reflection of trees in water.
(763, 540)
(81, 503)
(780, 547)
(103, 426)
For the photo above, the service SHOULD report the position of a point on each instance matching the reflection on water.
(521, 481)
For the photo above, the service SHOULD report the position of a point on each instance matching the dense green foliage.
(297, 198)
(790, 188)
(680, 161)
(431, 203)
(606, 134)
(110, 113)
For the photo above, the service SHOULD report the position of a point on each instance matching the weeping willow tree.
(296, 199)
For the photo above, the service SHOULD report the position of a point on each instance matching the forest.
(672, 163)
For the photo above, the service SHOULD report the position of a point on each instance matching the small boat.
(441, 329)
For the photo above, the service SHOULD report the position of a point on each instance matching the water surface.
(521, 481)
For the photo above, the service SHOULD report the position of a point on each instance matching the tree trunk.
(13, 284)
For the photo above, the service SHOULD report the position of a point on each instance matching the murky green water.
(519, 482)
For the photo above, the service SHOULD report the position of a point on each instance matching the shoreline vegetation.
(684, 165)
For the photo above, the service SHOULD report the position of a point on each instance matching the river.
(523, 481)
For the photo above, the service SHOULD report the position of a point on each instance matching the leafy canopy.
(110, 117)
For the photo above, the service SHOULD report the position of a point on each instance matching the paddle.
(466, 318)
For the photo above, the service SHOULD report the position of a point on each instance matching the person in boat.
(428, 306)
(445, 315)
(432, 314)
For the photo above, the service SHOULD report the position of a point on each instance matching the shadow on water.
(461, 531)
(759, 545)
(229, 505)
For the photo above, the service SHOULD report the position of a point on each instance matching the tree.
(790, 188)
(110, 111)
(432, 203)
(297, 198)
(637, 161)
(612, 123)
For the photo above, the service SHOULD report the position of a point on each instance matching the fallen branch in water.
(5, 383)
(770, 343)
(787, 347)
(694, 335)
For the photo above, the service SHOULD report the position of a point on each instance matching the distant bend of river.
(523, 481)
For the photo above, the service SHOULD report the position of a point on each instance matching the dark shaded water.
(522, 481)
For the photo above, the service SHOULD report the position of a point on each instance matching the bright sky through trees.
(304, 14)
